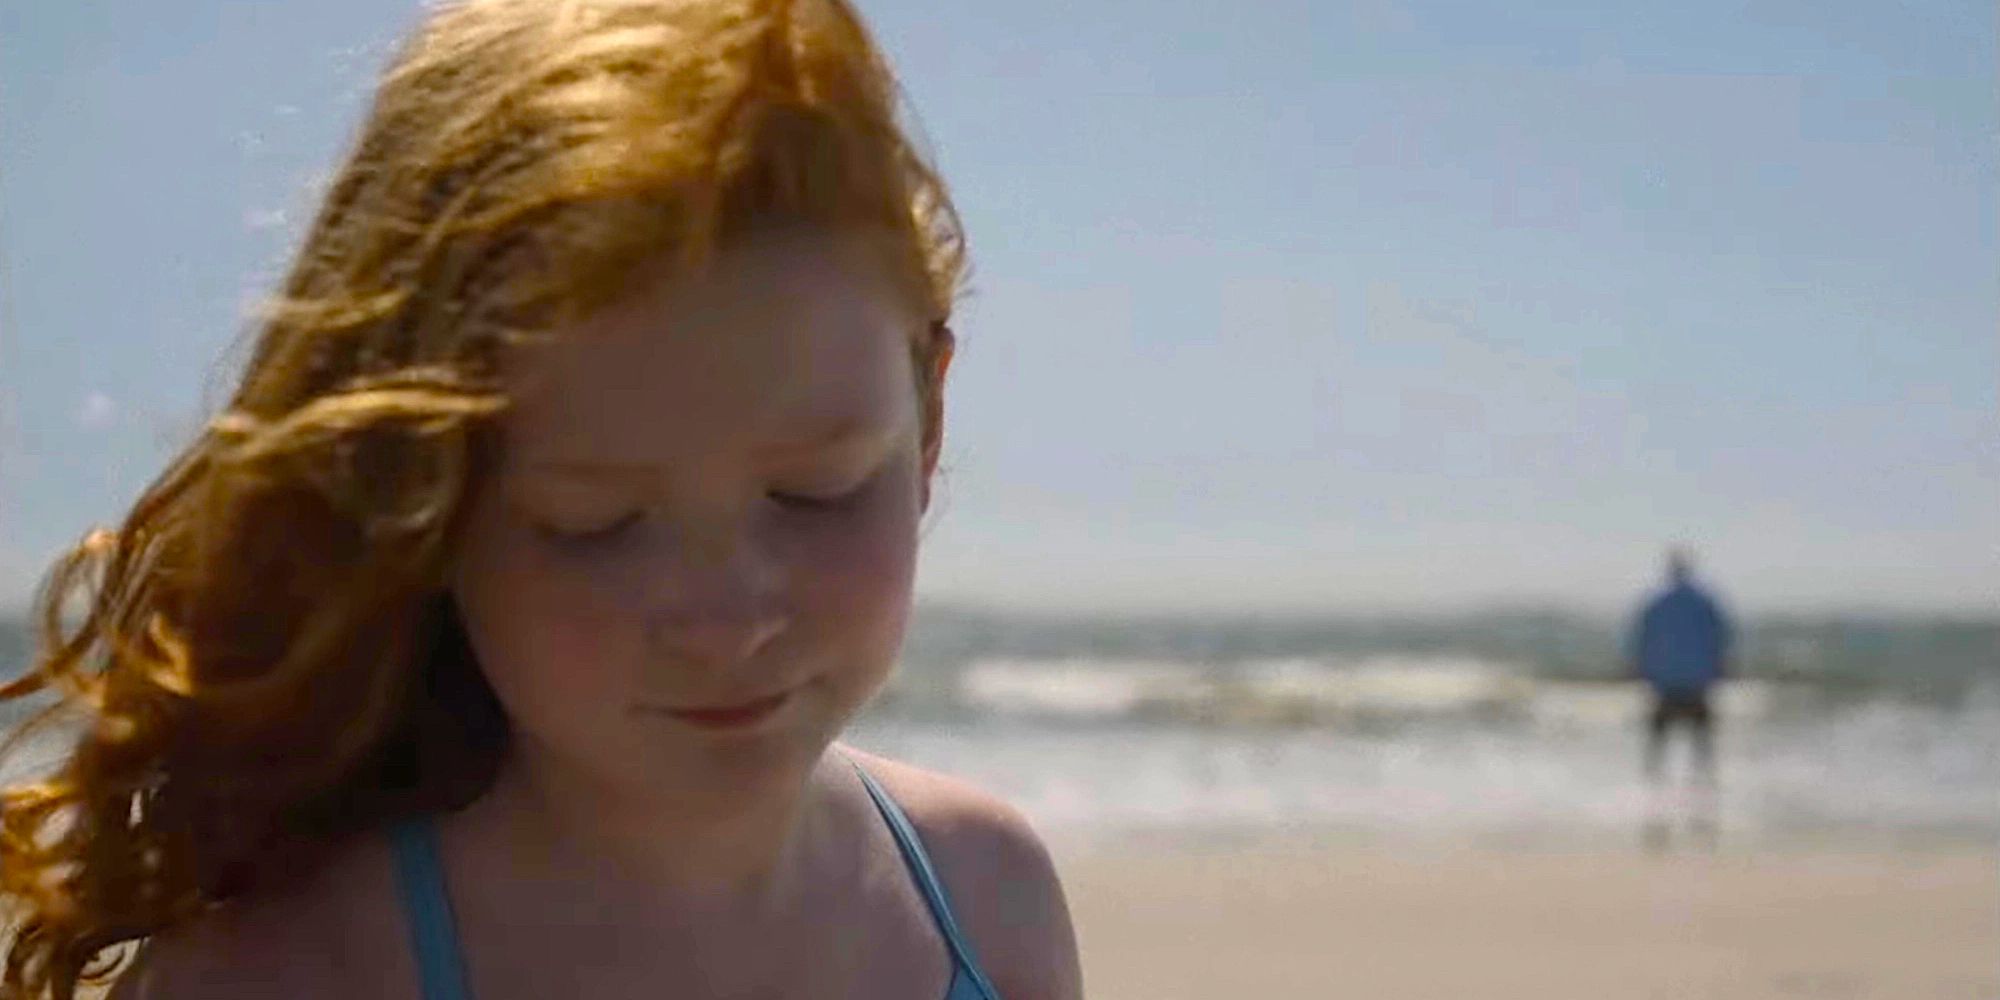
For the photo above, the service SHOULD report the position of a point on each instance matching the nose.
(715, 640)
(715, 603)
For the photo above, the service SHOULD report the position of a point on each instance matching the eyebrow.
(850, 432)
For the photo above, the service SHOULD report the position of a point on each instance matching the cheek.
(853, 582)
(547, 641)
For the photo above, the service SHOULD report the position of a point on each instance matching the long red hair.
(261, 659)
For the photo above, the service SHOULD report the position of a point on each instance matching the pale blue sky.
(1303, 304)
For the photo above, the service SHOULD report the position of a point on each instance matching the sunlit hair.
(262, 659)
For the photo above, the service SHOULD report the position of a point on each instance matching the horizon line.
(1488, 608)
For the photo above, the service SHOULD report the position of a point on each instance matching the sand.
(1274, 921)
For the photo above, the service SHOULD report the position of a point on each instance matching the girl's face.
(694, 562)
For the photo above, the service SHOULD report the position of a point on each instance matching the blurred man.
(1680, 647)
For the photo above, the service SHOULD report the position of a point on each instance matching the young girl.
(494, 641)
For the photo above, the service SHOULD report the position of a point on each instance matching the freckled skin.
(722, 589)
(621, 847)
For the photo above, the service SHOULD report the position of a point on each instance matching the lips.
(740, 715)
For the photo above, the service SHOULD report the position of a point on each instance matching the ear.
(944, 345)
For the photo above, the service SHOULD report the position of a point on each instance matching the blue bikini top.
(441, 964)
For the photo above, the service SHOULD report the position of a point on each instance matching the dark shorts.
(1672, 709)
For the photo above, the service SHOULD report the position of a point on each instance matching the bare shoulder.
(312, 939)
(1002, 881)
(239, 950)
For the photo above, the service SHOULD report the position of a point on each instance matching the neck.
(553, 821)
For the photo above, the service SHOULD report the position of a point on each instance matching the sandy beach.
(1272, 921)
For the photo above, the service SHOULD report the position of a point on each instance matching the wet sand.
(1162, 921)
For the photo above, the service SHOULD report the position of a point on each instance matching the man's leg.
(1701, 722)
(1654, 758)
(1655, 828)
(1701, 731)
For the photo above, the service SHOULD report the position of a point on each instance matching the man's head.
(1680, 564)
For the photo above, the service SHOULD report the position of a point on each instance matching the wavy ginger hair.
(263, 656)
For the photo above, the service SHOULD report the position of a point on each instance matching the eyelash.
(589, 536)
(798, 501)
(809, 502)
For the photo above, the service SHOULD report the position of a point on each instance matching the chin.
(748, 764)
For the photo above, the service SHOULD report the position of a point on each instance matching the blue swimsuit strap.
(919, 863)
(433, 932)
(427, 909)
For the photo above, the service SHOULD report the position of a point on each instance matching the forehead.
(778, 337)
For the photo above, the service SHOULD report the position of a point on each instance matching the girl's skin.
(709, 495)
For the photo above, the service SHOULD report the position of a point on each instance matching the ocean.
(1505, 726)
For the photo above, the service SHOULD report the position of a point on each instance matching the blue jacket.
(1680, 641)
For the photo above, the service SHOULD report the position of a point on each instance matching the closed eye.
(817, 501)
(604, 531)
